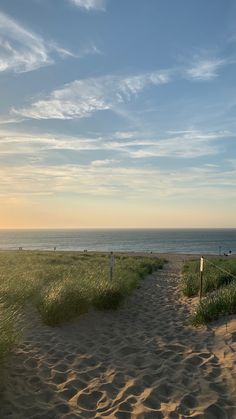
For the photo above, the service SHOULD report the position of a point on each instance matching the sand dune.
(143, 361)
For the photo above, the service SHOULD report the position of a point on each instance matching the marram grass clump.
(107, 298)
(220, 303)
(61, 301)
(62, 285)
(219, 288)
(8, 332)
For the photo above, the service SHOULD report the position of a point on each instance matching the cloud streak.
(82, 98)
(26, 169)
(110, 180)
(188, 144)
(205, 69)
(89, 5)
(22, 50)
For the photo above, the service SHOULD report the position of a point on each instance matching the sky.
(117, 113)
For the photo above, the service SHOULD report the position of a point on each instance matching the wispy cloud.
(22, 50)
(125, 134)
(187, 144)
(89, 49)
(104, 162)
(133, 85)
(82, 98)
(205, 69)
(190, 144)
(110, 180)
(26, 169)
(90, 4)
(15, 143)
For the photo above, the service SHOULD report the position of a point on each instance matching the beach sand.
(142, 361)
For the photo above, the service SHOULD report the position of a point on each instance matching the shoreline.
(122, 252)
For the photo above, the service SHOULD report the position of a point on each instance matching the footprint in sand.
(89, 401)
(214, 412)
(189, 401)
(153, 400)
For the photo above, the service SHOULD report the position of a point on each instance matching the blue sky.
(117, 113)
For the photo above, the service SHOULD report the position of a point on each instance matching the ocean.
(204, 241)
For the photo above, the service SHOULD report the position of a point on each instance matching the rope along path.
(221, 269)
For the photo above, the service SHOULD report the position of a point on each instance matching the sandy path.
(143, 361)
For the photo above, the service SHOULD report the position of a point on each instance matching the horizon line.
(115, 228)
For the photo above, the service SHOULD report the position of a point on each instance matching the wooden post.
(112, 263)
(201, 277)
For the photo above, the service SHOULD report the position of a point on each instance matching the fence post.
(112, 263)
(201, 277)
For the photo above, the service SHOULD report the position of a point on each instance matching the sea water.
(211, 241)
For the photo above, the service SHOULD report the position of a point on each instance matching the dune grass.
(220, 303)
(8, 333)
(214, 278)
(63, 285)
(219, 288)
